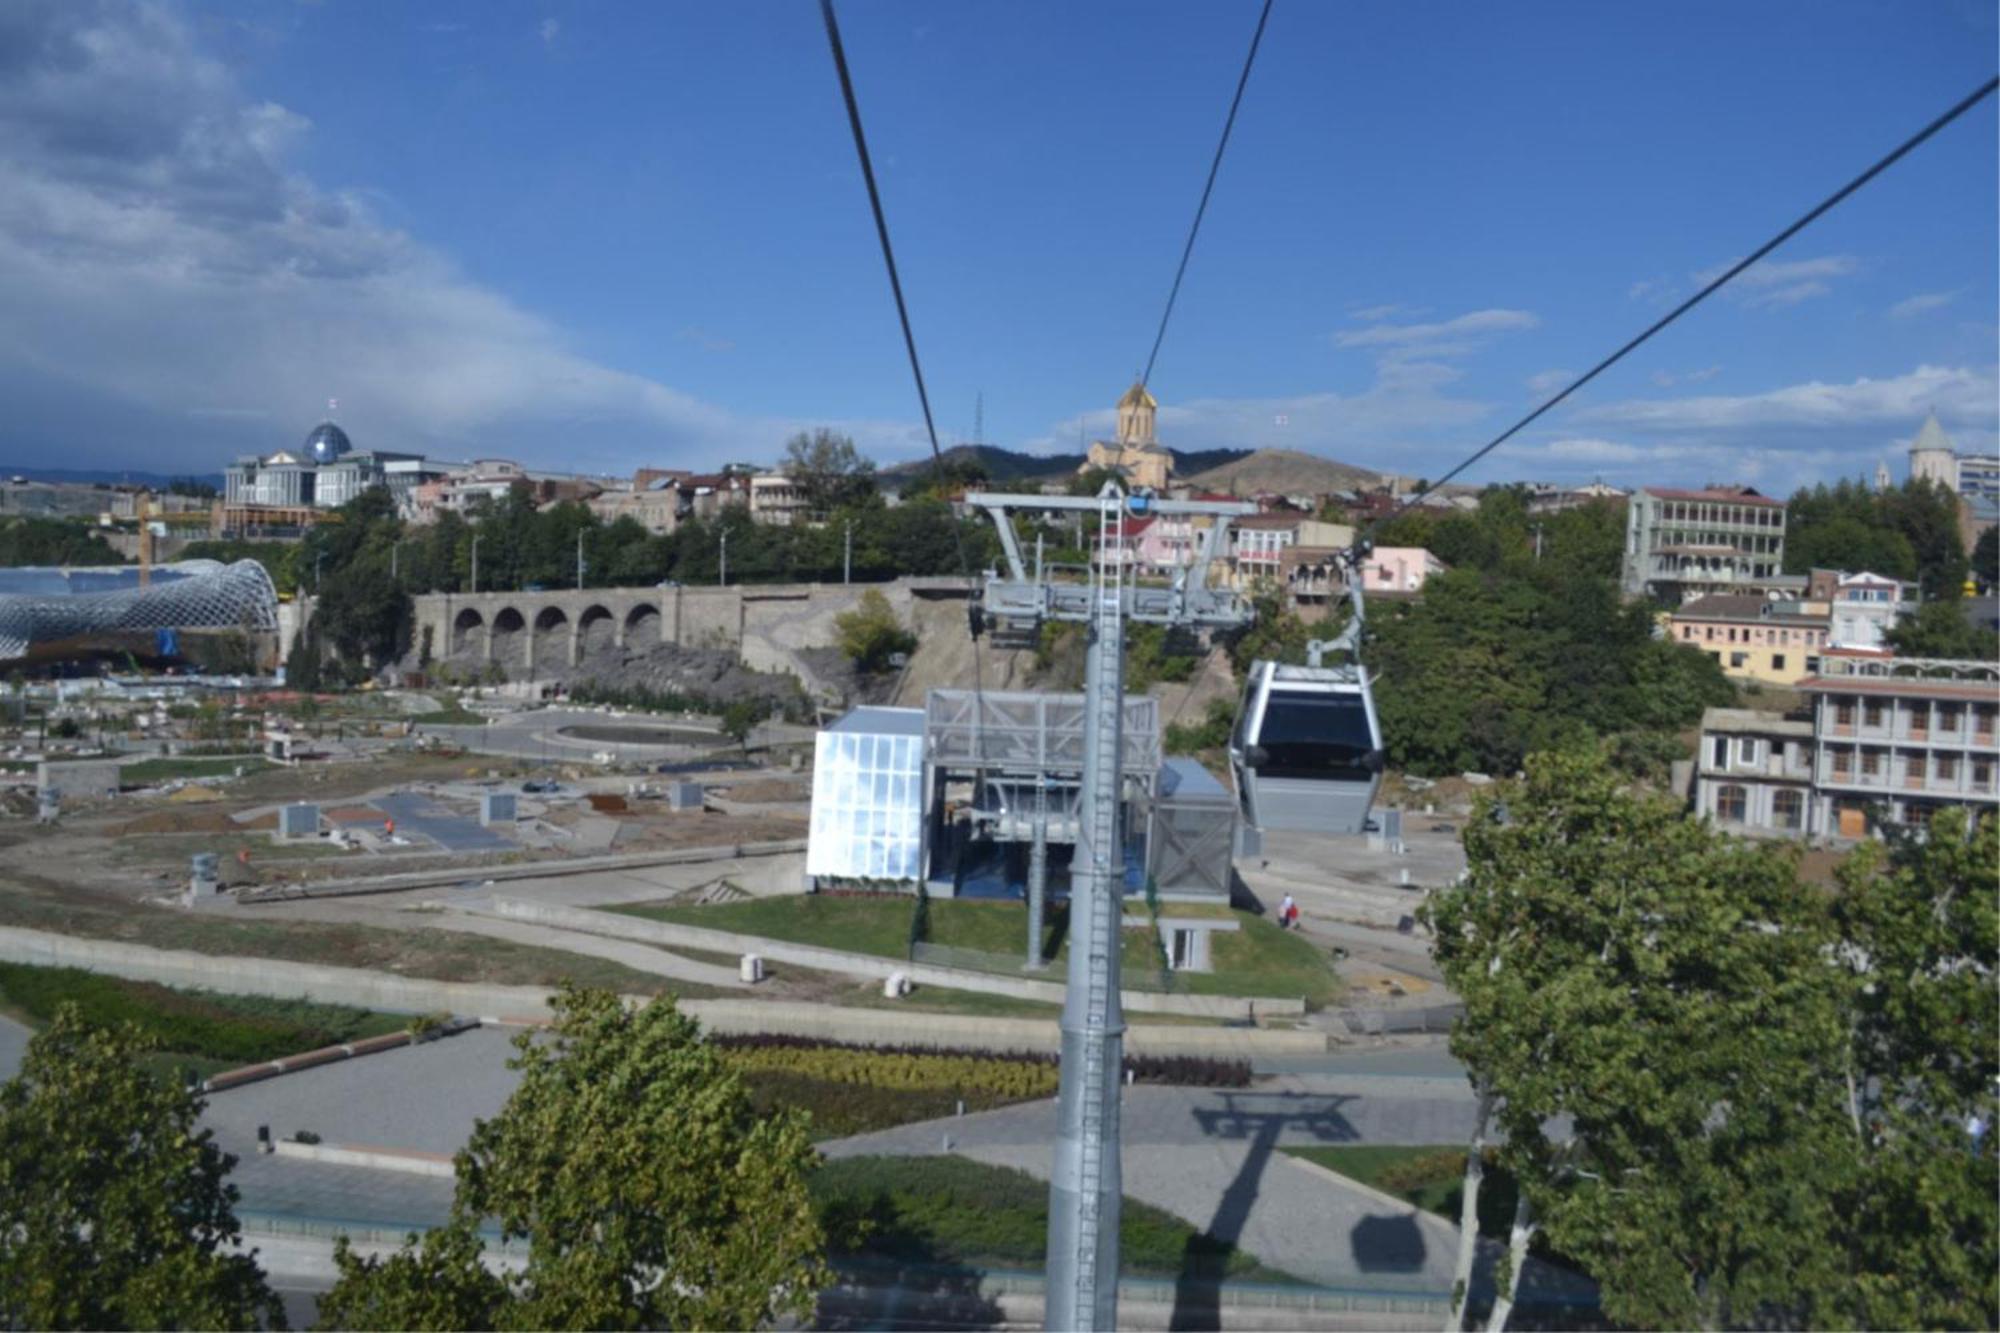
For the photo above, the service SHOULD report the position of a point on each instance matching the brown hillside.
(1286, 471)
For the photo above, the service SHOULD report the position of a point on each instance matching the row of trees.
(1732, 1098)
(649, 1192)
(53, 541)
(1906, 532)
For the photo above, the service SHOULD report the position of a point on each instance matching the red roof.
(1722, 494)
(1129, 527)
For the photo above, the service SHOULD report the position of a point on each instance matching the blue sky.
(607, 235)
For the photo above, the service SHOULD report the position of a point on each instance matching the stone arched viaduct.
(541, 633)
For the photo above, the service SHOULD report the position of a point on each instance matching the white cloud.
(1921, 303)
(178, 293)
(1548, 381)
(1777, 283)
(1957, 394)
(1667, 379)
(548, 29)
(1449, 332)
(1373, 313)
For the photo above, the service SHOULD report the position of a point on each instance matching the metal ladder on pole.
(1100, 828)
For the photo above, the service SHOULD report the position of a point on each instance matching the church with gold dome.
(1136, 455)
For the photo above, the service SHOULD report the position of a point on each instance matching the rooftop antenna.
(979, 418)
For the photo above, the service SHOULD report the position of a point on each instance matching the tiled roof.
(1719, 494)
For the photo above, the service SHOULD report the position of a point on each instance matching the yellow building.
(1778, 643)
(1136, 454)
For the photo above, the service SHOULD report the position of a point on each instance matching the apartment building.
(1682, 544)
(1903, 736)
(1257, 543)
(1754, 638)
(1754, 773)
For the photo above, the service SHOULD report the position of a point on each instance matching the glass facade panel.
(867, 814)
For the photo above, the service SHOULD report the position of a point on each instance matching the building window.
(1917, 814)
(1732, 803)
(1736, 660)
(1746, 749)
(1719, 752)
(1982, 774)
(1871, 713)
(1914, 768)
(1982, 719)
(1949, 716)
(1788, 810)
(1777, 661)
(1871, 763)
(1947, 768)
(1843, 765)
(1843, 713)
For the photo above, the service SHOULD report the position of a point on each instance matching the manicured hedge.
(240, 1028)
(964, 1071)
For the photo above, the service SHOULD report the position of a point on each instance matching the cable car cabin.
(1307, 750)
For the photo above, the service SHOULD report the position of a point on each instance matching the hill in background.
(1285, 471)
(1009, 465)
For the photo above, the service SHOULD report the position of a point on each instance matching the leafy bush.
(245, 1029)
(1211, 733)
(960, 1072)
(871, 634)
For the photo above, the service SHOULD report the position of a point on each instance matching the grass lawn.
(448, 717)
(1258, 959)
(1430, 1176)
(198, 1032)
(165, 769)
(440, 955)
(950, 1212)
(879, 926)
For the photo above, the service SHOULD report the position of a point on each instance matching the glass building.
(868, 797)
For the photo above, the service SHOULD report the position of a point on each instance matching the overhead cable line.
(1958, 109)
(1201, 209)
(902, 307)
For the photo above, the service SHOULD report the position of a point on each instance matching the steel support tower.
(1086, 1185)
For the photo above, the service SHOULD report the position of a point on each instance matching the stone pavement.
(13, 1046)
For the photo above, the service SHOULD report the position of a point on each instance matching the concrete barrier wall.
(237, 975)
(621, 926)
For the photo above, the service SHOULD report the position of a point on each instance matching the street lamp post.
(475, 564)
(722, 579)
(847, 552)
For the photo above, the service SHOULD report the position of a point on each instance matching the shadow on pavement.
(1260, 1119)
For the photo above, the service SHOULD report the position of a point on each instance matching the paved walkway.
(644, 957)
(13, 1047)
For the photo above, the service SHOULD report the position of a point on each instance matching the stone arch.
(642, 627)
(551, 640)
(468, 634)
(596, 631)
(509, 639)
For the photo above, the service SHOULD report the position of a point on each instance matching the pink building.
(1394, 569)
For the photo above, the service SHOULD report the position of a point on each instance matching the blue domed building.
(324, 473)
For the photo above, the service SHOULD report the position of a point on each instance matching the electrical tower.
(1086, 1184)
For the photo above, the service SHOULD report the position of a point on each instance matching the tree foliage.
(870, 634)
(649, 1192)
(1907, 532)
(1942, 629)
(53, 541)
(1728, 1100)
(828, 471)
(114, 1207)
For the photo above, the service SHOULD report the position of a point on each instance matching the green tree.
(1920, 928)
(650, 1192)
(741, 717)
(871, 634)
(827, 470)
(1942, 629)
(115, 1211)
(53, 541)
(1986, 560)
(1668, 993)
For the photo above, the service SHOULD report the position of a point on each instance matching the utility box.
(204, 877)
(496, 807)
(751, 969)
(685, 795)
(298, 821)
